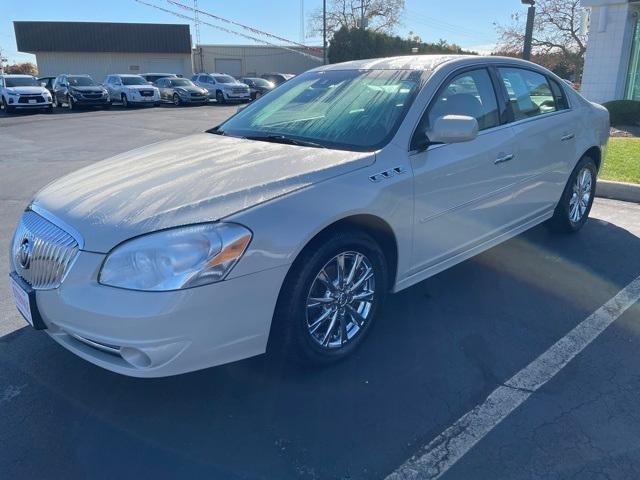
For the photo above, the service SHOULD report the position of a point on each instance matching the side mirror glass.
(453, 129)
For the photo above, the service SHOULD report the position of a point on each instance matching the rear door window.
(530, 94)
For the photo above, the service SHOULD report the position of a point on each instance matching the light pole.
(528, 36)
(324, 32)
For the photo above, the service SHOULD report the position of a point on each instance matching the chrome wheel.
(581, 195)
(340, 299)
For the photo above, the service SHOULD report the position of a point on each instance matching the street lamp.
(528, 36)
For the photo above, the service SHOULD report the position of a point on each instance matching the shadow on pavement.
(439, 349)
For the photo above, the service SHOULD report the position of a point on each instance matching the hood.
(195, 179)
(88, 89)
(190, 88)
(27, 90)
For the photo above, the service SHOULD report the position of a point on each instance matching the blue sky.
(466, 22)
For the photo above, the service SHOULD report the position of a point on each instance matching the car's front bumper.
(236, 97)
(79, 100)
(155, 334)
(31, 106)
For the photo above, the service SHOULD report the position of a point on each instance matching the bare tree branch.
(380, 15)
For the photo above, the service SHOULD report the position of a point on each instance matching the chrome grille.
(42, 252)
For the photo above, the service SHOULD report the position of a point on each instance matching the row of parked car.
(23, 92)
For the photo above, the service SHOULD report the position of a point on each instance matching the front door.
(462, 189)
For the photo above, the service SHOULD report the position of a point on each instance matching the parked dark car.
(257, 86)
(181, 90)
(277, 78)
(79, 90)
(154, 77)
(47, 82)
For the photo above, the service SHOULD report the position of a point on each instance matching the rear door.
(543, 125)
(462, 190)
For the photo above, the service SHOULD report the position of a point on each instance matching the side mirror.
(453, 129)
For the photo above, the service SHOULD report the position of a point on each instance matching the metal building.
(247, 60)
(99, 49)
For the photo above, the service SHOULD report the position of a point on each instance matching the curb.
(625, 192)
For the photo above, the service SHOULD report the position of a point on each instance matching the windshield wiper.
(284, 139)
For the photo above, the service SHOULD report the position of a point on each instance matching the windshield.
(81, 81)
(134, 81)
(224, 79)
(21, 82)
(343, 109)
(181, 82)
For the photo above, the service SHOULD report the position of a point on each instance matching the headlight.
(177, 258)
(15, 94)
(204, 90)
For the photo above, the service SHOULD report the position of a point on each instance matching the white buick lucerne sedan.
(283, 228)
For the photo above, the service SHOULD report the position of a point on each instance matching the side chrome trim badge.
(378, 177)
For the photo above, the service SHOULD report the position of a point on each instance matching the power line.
(245, 27)
(226, 30)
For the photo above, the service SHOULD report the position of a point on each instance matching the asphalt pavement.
(438, 351)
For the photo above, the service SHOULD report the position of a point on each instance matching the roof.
(102, 37)
(422, 62)
(16, 75)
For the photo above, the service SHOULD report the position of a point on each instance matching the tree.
(355, 43)
(557, 30)
(26, 68)
(380, 15)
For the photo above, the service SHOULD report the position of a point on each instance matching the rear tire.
(320, 317)
(574, 206)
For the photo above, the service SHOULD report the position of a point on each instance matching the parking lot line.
(444, 451)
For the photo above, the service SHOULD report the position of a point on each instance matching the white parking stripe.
(451, 445)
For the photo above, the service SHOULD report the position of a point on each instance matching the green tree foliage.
(26, 68)
(355, 44)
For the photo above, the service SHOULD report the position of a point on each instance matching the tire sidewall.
(293, 297)
(563, 208)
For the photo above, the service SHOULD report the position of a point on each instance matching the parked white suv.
(23, 92)
(224, 88)
(131, 90)
(285, 227)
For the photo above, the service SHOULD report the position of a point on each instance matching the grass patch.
(622, 163)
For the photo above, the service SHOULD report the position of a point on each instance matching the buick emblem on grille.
(24, 254)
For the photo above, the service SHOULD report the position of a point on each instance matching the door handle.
(503, 159)
(567, 137)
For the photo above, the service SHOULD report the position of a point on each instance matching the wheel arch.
(373, 225)
(594, 153)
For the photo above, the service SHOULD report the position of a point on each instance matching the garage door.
(232, 66)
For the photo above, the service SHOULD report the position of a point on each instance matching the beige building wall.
(99, 65)
(250, 60)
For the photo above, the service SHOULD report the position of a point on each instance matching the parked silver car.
(181, 90)
(285, 227)
(224, 88)
(23, 92)
(131, 90)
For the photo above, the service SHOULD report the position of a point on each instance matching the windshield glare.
(224, 79)
(21, 82)
(342, 109)
(133, 81)
(261, 82)
(181, 82)
(81, 81)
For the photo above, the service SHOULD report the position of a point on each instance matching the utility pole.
(362, 14)
(196, 21)
(528, 36)
(324, 32)
(3, 60)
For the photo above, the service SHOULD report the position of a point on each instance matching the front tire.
(574, 206)
(125, 101)
(8, 109)
(220, 97)
(330, 298)
(176, 100)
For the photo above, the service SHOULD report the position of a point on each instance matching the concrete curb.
(625, 192)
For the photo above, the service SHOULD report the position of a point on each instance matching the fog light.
(10, 100)
(135, 357)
